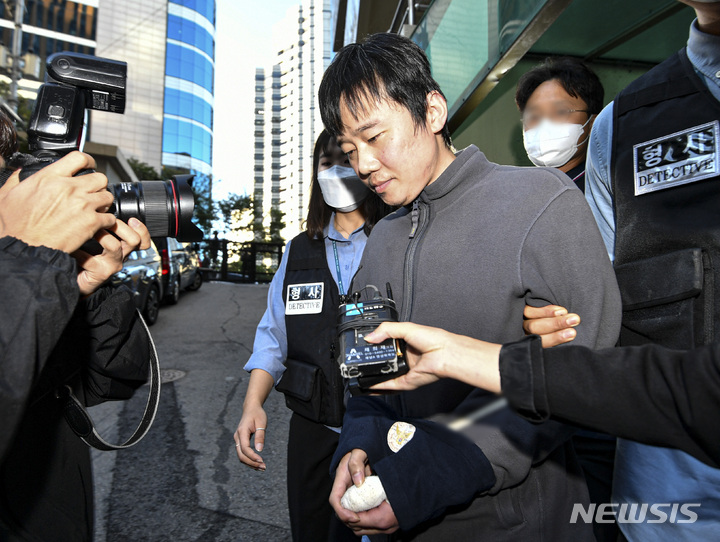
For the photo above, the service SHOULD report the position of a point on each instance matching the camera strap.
(82, 424)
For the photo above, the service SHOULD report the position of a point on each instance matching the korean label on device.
(370, 353)
(683, 157)
(304, 298)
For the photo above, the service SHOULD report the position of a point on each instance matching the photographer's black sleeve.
(39, 292)
(108, 337)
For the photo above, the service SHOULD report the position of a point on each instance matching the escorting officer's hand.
(552, 323)
(253, 422)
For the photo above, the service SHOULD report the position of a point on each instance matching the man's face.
(396, 160)
(551, 101)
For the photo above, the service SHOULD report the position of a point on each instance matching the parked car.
(195, 262)
(180, 265)
(142, 274)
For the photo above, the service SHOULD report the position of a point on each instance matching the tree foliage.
(24, 111)
(205, 213)
(276, 224)
(234, 204)
(143, 171)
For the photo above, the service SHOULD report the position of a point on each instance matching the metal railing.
(229, 261)
(407, 15)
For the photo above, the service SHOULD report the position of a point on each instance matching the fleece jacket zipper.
(420, 219)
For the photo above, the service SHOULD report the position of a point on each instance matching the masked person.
(294, 343)
(558, 101)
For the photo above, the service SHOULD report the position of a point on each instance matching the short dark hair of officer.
(383, 67)
(576, 78)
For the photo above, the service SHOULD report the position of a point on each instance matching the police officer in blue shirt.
(294, 342)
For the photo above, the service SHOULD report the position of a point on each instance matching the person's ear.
(437, 111)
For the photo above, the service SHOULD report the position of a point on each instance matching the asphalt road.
(183, 481)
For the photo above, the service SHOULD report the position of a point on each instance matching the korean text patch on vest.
(305, 298)
(683, 157)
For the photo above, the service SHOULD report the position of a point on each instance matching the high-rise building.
(47, 28)
(259, 148)
(303, 41)
(135, 32)
(189, 85)
(268, 133)
(169, 46)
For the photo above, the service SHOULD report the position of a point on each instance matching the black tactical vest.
(667, 207)
(312, 383)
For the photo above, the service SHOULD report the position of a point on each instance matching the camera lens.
(165, 207)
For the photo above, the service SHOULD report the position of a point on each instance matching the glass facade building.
(169, 46)
(189, 85)
(49, 26)
(135, 32)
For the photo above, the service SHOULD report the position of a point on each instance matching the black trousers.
(310, 448)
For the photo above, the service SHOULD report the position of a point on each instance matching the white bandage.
(367, 496)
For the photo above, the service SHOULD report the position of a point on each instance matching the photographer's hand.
(54, 209)
(117, 242)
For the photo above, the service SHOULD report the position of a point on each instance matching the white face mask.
(342, 189)
(553, 144)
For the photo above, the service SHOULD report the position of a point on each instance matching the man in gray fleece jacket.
(472, 243)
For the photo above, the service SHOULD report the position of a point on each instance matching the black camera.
(363, 364)
(74, 83)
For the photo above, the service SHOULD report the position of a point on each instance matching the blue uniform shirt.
(270, 347)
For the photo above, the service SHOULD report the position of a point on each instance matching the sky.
(243, 42)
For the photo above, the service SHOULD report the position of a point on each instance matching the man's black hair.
(383, 67)
(8, 137)
(577, 79)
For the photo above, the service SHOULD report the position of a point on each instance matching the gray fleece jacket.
(478, 244)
